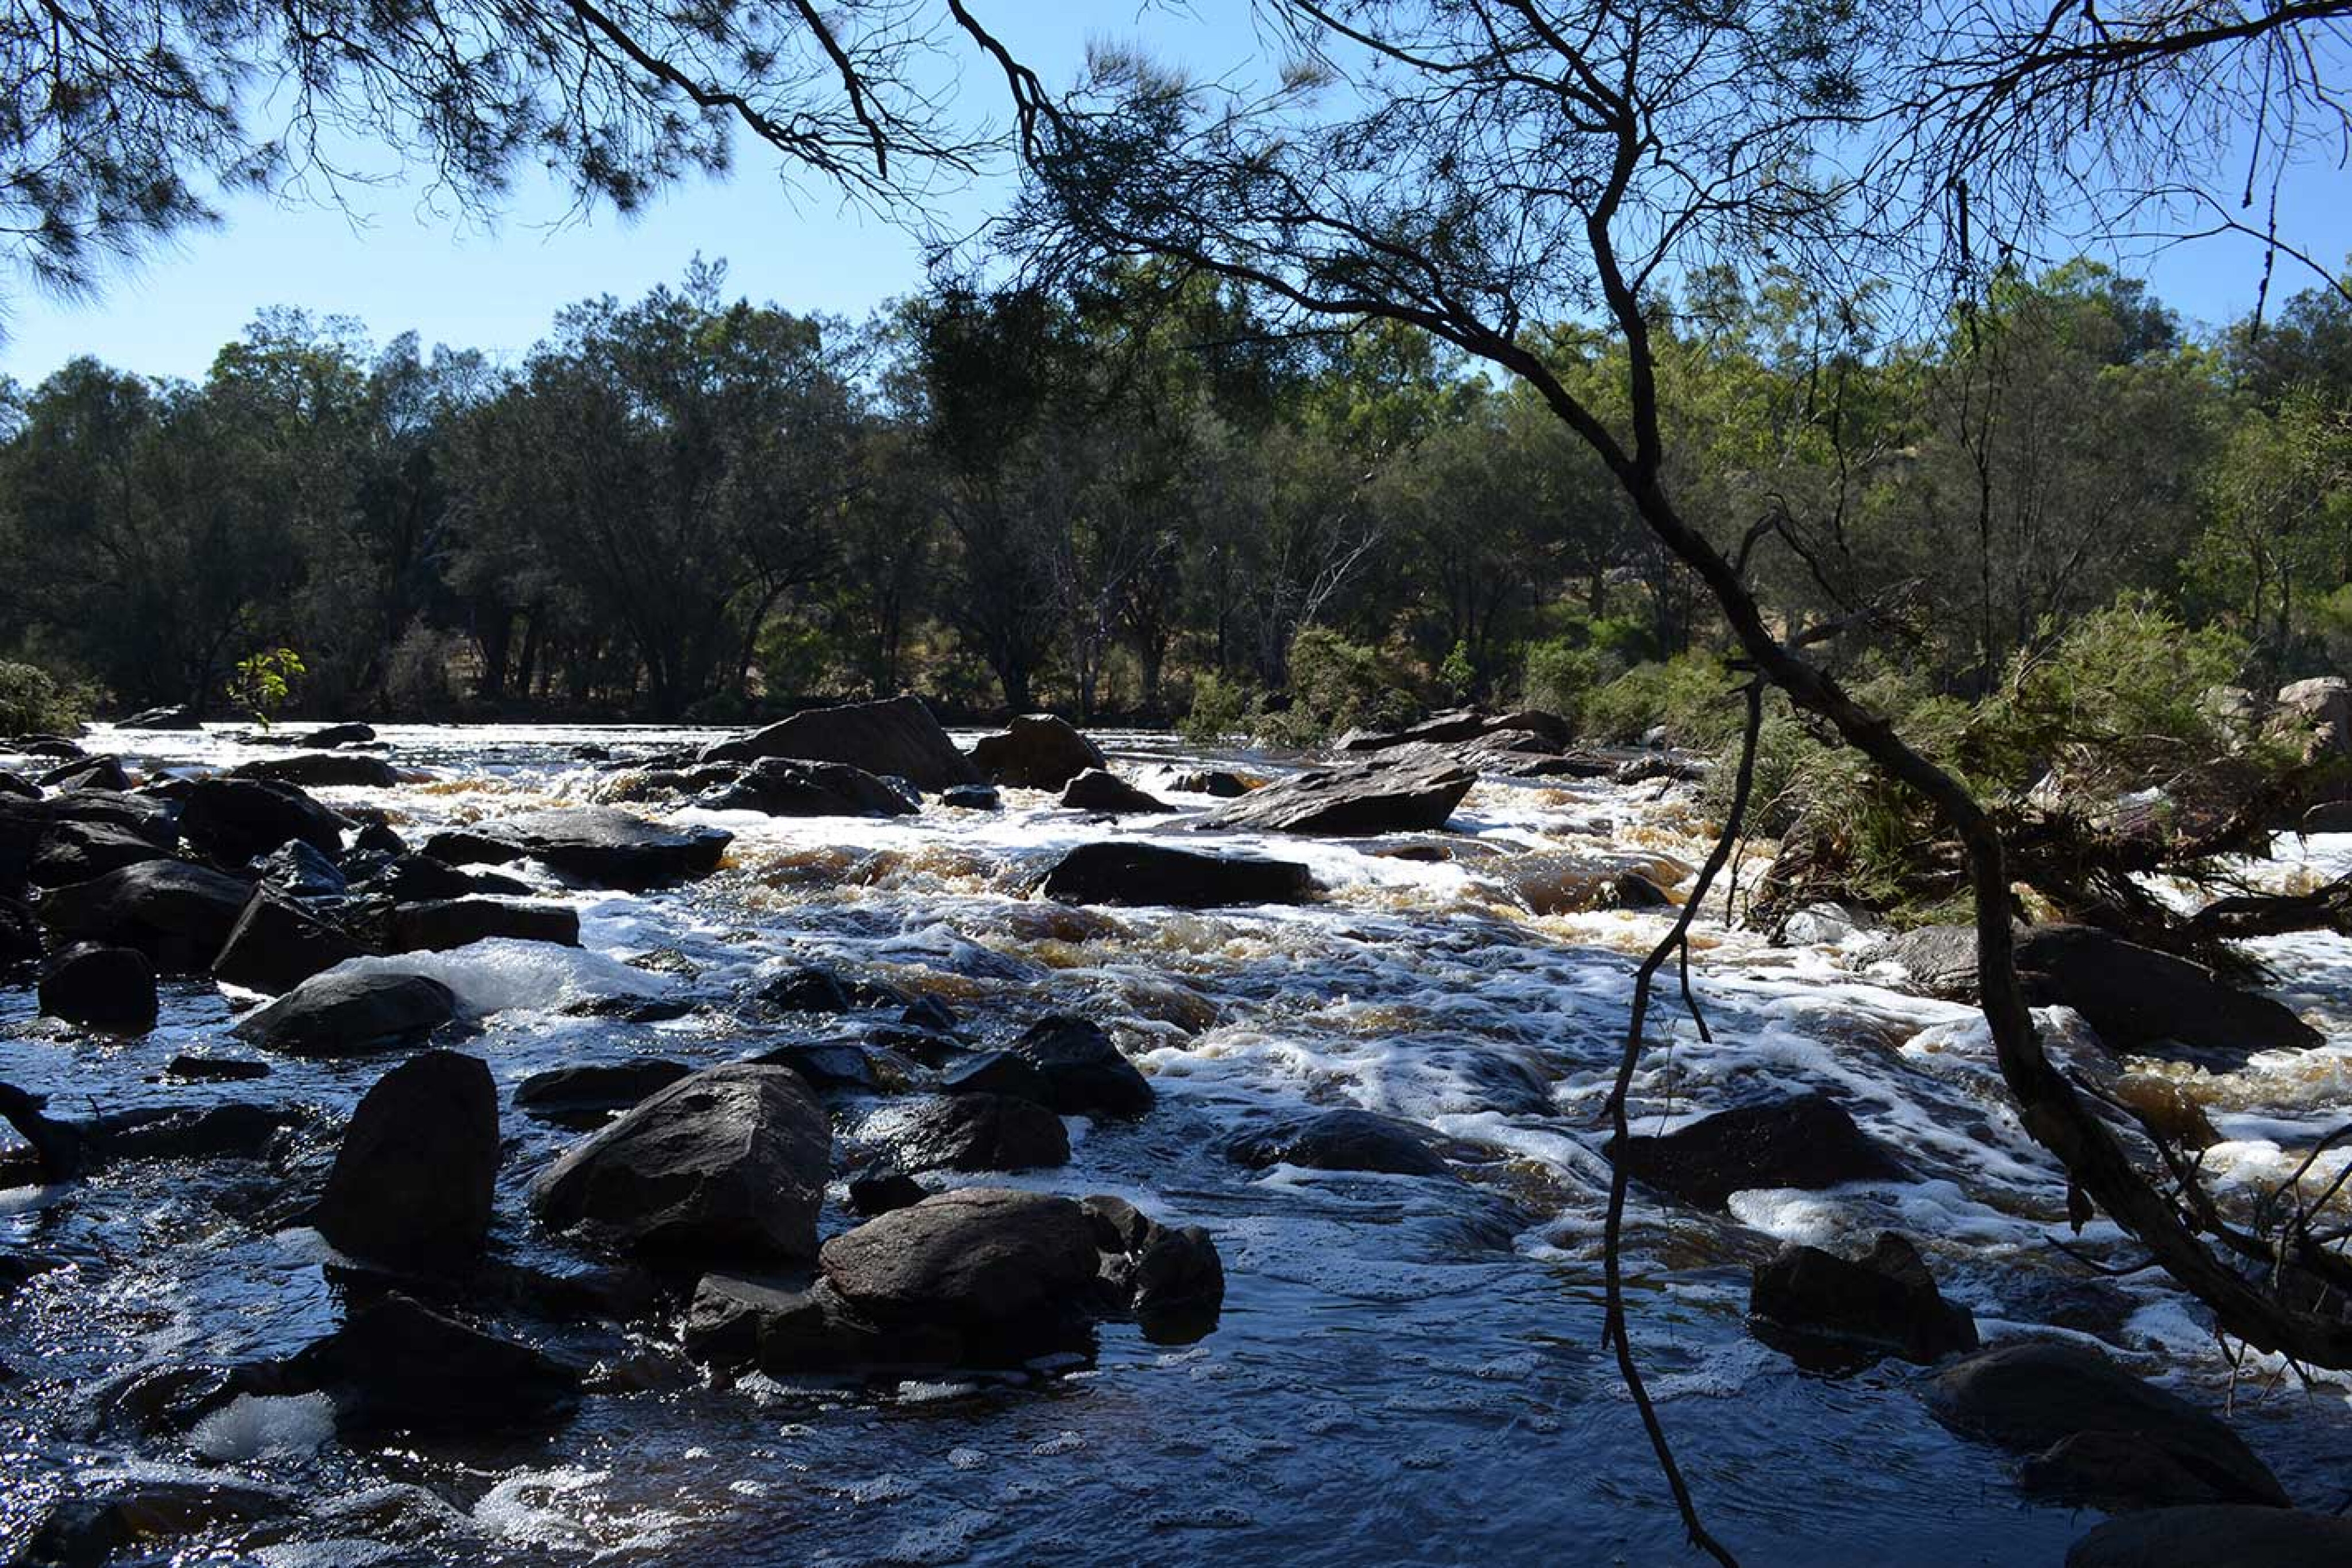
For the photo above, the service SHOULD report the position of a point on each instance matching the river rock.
(1886, 1300)
(814, 989)
(1213, 782)
(322, 770)
(2037, 1393)
(1130, 873)
(77, 852)
(2321, 707)
(1085, 1073)
(978, 1259)
(235, 1129)
(278, 943)
(2139, 999)
(1346, 1140)
(1036, 751)
(1808, 1142)
(22, 788)
(171, 717)
(594, 1089)
(994, 1072)
(972, 798)
(893, 738)
(788, 786)
(328, 737)
(87, 773)
(398, 1366)
(791, 1331)
(728, 1163)
(1556, 881)
(1099, 790)
(597, 844)
(108, 988)
(442, 924)
(89, 1528)
(238, 819)
(20, 935)
(420, 879)
(177, 914)
(2215, 1536)
(297, 868)
(981, 1133)
(880, 1187)
(347, 1013)
(1938, 961)
(413, 1182)
(1171, 1280)
(1410, 794)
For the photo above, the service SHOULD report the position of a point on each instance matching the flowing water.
(1406, 1370)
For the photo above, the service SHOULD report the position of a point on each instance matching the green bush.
(1335, 685)
(1558, 676)
(32, 703)
(1689, 695)
(1221, 710)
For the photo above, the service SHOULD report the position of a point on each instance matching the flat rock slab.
(1124, 871)
(895, 738)
(597, 844)
(347, 1014)
(323, 769)
(1409, 795)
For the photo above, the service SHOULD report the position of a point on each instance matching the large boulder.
(20, 935)
(1346, 1140)
(1101, 789)
(981, 1131)
(1886, 1301)
(2040, 1393)
(983, 1258)
(2321, 709)
(446, 923)
(601, 845)
(413, 1182)
(1411, 794)
(77, 852)
(1036, 751)
(893, 738)
(177, 914)
(278, 943)
(1938, 961)
(2139, 999)
(108, 988)
(1083, 1072)
(238, 819)
(1563, 881)
(87, 773)
(397, 1366)
(1172, 1280)
(1807, 1141)
(25, 821)
(727, 1165)
(301, 870)
(322, 770)
(349, 1013)
(2215, 1536)
(788, 786)
(1127, 872)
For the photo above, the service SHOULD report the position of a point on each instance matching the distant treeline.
(1136, 498)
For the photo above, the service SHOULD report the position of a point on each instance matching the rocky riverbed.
(849, 1145)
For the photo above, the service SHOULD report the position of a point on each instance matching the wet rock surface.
(416, 1174)
(1808, 1142)
(351, 1013)
(1404, 796)
(1126, 872)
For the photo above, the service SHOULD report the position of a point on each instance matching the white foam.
(503, 973)
(252, 1426)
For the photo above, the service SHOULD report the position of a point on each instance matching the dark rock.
(24, 823)
(728, 1163)
(1214, 782)
(598, 844)
(23, 788)
(51, 746)
(1036, 751)
(1808, 1142)
(928, 1012)
(77, 852)
(1886, 1300)
(179, 717)
(237, 1130)
(1939, 961)
(420, 879)
(817, 990)
(2035, 1394)
(1172, 1282)
(110, 988)
(2215, 1537)
(238, 819)
(1403, 796)
(880, 1188)
(977, 1259)
(631, 1010)
(413, 1182)
(347, 1014)
(214, 1069)
(1085, 1073)
(278, 943)
(1438, 729)
(178, 915)
(571, 1093)
(299, 869)
(811, 1330)
(379, 837)
(396, 1365)
(1099, 790)
(87, 773)
(896, 737)
(723, 1319)
(981, 1132)
(2139, 999)
(2118, 1470)
(334, 735)
(89, 1528)
(1129, 872)
(996, 1072)
(788, 786)
(824, 1065)
(1342, 1141)
(321, 770)
(454, 922)
(972, 798)
(152, 814)
(20, 935)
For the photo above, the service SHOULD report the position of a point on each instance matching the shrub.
(1336, 685)
(1221, 710)
(31, 703)
(1687, 695)
(1558, 676)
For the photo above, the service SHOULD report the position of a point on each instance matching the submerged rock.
(1171, 1280)
(398, 1366)
(347, 1013)
(1346, 1140)
(2038, 1394)
(895, 739)
(108, 988)
(1130, 873)
(789, 787)
(730, 1163)
(2214, 1536)
(1808, 1142)
(89, 1527)
(1099, 790)
(1036, 751)
(981, 1132)
(1885, 1300)
(1407, 795)
(413, 1179)
(178, 915)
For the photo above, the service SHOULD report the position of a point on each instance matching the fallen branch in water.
(57, 1148)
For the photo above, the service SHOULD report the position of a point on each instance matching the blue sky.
(397, 266)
